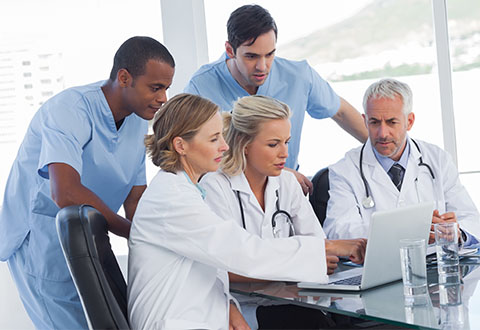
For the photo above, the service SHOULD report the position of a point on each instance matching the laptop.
(382, 256)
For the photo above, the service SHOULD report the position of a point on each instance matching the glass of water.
(446, 242)
(414, 270)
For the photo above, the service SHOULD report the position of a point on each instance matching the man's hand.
(442, 218)
(354, 249)
(307, 185)
(237, 322)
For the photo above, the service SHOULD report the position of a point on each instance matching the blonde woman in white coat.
(253, 190)
(180, 250)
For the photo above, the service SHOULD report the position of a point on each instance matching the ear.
(410, 120)
(365, 120)
(124, 78)
(179, 145)
(229, 50)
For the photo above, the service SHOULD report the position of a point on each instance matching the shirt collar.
(240, 183)
(200, 188)
(387, 162)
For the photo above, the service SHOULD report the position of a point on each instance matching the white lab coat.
(180, 251)
(222, 198)
(346, 216)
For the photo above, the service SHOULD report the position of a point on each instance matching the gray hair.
(389, 88)
(242, 125)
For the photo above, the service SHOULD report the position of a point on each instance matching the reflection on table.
(446, 307)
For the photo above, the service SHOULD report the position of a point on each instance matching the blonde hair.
(182, 116)
(242, 125)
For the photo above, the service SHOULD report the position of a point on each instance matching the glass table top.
(386, 303)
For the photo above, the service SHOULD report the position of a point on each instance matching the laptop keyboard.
(356, 280)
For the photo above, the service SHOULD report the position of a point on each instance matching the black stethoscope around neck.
(368, 201)
(277, 216)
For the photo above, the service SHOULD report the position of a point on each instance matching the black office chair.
(320, 196)
(83, 235)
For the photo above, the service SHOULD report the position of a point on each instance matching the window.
(464, 32)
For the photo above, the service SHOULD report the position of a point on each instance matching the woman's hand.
(237, 322)
(354, 249)
(332, 264)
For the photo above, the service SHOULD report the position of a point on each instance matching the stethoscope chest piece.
(368, 202)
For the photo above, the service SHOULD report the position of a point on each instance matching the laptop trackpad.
(345, 274)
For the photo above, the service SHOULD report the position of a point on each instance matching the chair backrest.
(319, 197)
(83, 235)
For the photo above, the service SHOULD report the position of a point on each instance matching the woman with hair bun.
(180, 250)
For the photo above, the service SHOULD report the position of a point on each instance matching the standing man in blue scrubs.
(249, 67)
(83, 146)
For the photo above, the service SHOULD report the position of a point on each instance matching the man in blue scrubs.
(249, 67)
(83, 146)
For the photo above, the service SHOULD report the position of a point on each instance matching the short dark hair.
(248, 23)
(134, 54)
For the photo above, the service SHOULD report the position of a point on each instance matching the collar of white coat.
(240, 183)
(370, 159)
(200, 188)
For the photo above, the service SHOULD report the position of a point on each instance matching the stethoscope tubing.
(368, 201)
(274, 215)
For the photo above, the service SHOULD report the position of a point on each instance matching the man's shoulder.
(73, 95)
(291, 66)
(432, 151)
(349, 162)
(208, 70)
(75, 104)
(209, 80)
(81, 91)
(427, 145)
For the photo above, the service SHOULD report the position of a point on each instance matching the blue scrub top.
(295, 83)
(75, 127)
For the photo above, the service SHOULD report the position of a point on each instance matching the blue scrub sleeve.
(323, 102)
(65, 131)
(141, 178)
(191, 88)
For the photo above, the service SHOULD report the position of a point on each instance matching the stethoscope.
(277, 215)
(368, 201)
